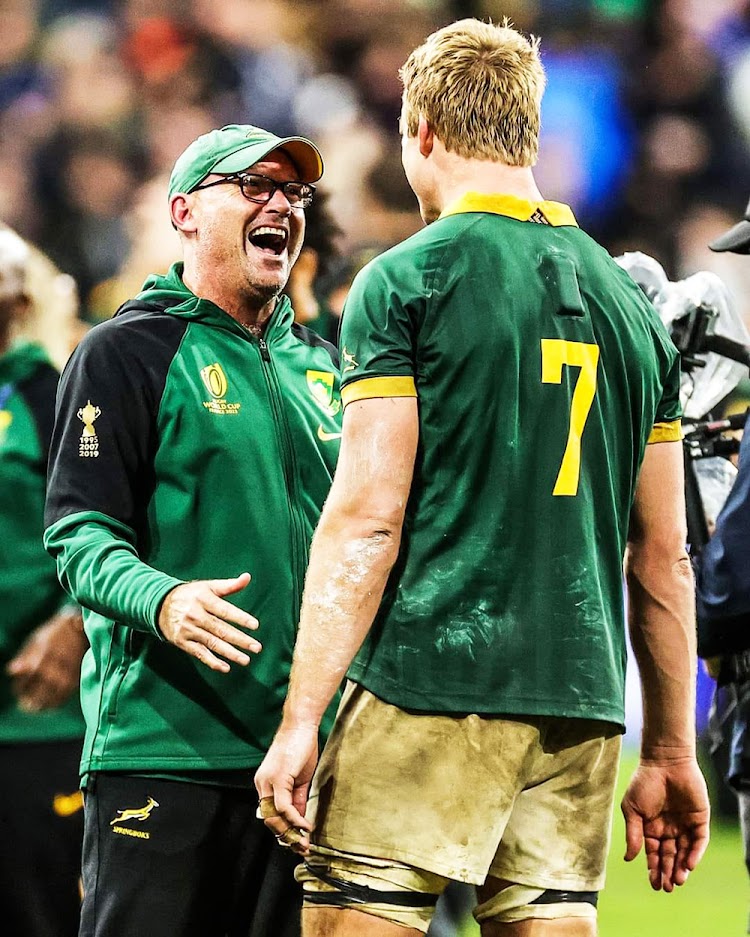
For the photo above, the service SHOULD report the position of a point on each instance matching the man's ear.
(426, 136)
(181, 213)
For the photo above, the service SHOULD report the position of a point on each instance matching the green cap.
(235, 148)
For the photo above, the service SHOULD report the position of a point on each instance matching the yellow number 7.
(555, 353)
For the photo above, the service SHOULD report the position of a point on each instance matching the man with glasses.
(195, 441)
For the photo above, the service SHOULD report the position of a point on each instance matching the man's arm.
(666, 805)
(354, 548)
(101, 460)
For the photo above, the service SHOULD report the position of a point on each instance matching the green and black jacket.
(185, 448)
(29, 591)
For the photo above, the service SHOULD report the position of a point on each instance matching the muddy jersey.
(541, 373)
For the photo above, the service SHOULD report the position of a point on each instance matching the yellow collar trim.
(519, 208)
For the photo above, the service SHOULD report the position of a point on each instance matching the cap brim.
(737, 239)
(304, 154)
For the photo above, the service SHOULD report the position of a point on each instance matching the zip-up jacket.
(185, 448)
(29, 591)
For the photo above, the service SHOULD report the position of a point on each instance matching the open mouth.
(269, 240)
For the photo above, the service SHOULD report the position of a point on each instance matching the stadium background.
(646, 134)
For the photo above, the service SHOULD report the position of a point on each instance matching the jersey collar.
(552, 213)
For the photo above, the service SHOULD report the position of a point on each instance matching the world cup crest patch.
(88, 445)
(216, 383)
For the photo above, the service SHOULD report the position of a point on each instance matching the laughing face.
(245, 250)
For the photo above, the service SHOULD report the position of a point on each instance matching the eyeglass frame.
(237, 178)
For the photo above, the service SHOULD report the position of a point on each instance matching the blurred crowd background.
(646, 133)
(646, 121)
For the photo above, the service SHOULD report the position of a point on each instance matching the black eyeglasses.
(261, 189)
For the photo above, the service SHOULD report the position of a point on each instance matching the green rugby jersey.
(29, 591)
(541, 373)
(184, 449)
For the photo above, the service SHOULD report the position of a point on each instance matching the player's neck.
(487, 178)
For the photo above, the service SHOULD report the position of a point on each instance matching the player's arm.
(353, 551)
(666, 805)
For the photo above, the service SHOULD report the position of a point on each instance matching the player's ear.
(181, 213)
(426, 136)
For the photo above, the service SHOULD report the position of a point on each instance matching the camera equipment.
(714, 347)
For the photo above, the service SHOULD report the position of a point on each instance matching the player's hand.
(283, 783)
(666, 809)
(46, 670)
(195, 618)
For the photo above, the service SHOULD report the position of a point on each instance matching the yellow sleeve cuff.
(378, 387)
(666, 432)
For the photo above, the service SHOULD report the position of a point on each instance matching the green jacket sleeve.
(98, 565)
(100, 477)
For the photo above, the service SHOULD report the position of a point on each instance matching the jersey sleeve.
(100, 478)
(377, 346)
(667, 424)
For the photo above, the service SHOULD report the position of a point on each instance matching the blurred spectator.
(651, 116)
(41, 643)
(152, 248)
(52, 319)
(319, 252)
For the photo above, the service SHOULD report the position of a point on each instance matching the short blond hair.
(480, 87)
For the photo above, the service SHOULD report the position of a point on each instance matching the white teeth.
(266, 229)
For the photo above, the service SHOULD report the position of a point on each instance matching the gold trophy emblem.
(87, 415)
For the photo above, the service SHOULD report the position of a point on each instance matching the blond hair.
(480, 88)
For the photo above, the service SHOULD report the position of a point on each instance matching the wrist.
(299, 719)
(664, 756)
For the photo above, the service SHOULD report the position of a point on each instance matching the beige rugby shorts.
(525, 799)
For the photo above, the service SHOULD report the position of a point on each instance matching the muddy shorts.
(524, 799)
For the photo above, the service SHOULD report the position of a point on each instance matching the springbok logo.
(135, 813)
(350, 362)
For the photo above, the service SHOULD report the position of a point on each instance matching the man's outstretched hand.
(666, 809)
(195, 618)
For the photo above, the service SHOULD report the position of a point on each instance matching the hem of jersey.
(365, 388)
(184, 762)
(396, 694)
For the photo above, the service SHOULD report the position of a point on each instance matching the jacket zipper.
(290, 469)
